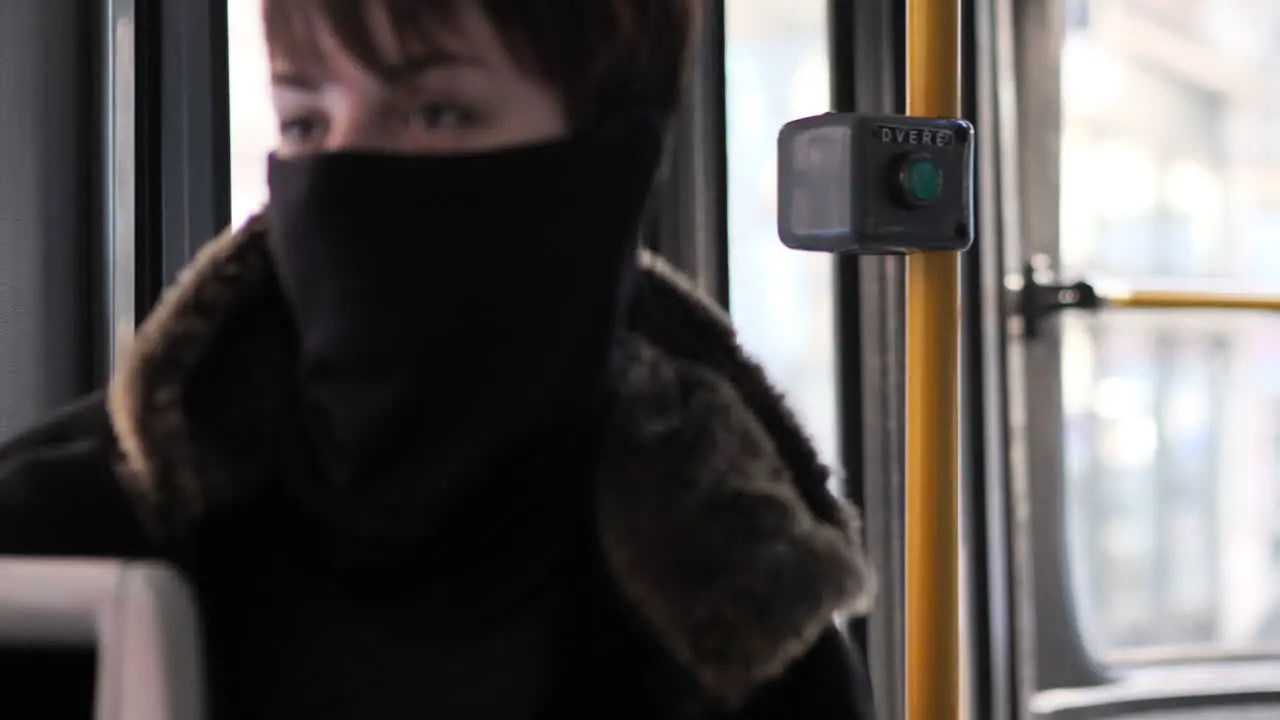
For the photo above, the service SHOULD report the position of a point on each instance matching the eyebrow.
(397, 74)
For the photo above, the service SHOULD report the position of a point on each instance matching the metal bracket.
(1037, 301)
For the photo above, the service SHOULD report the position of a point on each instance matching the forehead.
(385, 37)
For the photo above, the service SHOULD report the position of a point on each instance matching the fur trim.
(713, 513)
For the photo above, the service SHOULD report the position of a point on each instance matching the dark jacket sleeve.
(830, 682)
(58, 489)
(59, 496)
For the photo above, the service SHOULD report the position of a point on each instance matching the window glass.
(1172, 467)
(776, 70)
(253, 126)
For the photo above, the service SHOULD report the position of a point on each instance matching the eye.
(299, 130)
(443, 116)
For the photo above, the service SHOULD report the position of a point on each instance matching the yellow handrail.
(932, 358)
(1191, 300)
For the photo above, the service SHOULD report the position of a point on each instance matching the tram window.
(253, 124)
(776, 70)
(1076, 13)
(1172, 472)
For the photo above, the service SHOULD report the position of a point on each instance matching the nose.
(364, 128)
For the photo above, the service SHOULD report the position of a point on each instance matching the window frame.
(691, 227)
(165, 151)
(189, 186)
(867, 70)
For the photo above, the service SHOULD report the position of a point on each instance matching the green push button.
(919, 180)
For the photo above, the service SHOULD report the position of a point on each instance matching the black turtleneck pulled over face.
(452, 309)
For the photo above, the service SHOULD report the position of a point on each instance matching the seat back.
(140, 617)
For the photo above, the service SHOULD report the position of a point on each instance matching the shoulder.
(59, 494)
(708, 467)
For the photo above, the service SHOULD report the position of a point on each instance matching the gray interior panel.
(141, 617)
(46, 184)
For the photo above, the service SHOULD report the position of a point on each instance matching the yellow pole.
(933, 355)
(1192, 300)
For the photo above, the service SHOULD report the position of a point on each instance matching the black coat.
(716, 565)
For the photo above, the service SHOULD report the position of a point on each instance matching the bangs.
(294, 29)
(593, 53)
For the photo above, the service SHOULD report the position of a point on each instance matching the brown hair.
(596, 53)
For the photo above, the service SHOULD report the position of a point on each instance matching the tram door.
(1150, 420)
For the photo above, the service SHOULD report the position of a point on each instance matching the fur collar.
(714, 517)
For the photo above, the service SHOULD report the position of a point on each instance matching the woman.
(431, 436)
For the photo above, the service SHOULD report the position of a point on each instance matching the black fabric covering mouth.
(455, 314)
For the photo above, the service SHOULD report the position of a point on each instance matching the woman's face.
(466, 95)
